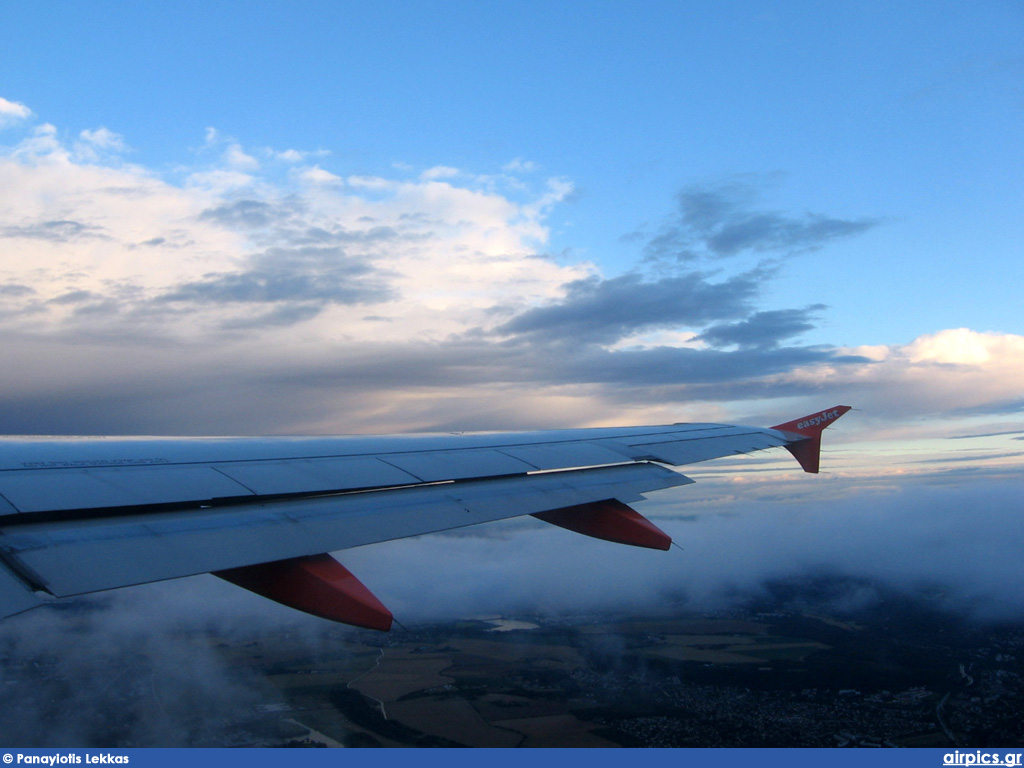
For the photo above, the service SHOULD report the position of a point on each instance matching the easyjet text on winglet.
(819, 419)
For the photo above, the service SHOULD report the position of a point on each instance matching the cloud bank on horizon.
(253, 291)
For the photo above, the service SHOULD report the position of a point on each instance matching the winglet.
(807, 448)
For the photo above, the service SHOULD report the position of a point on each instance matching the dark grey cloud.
(660, 374)
(603, 311)
(73, 297)
(469, 362)
(102, 307)
(968, 457)
(139, 377)
(762, 329)
(281, 316)
(56, 231)
(285, 224)
(722, 220)
(340, 287)
(173, 238)
(184, 405)
(715, 221)
(132, 385)
(989, 434)
(244, 214)
(232, 390)
(380, 235)
(16, 291)
(1006, 407)
(18, 300)
(299, 282)
(717, 370)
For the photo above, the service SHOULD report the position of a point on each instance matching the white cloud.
(518, 165)
(439, 172)
(962, 346)
(12, 112)
(76, 227)
(948, 371)
(370, 182)
(221, 181)
(295, 155)
(317, 175)
(103, 138)
(557, 190)
(236, 157)
(98, 243)
(93, 145)
(43, 144)
(132, 279)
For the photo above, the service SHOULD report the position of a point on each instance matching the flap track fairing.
(610, 520)
(317, 584)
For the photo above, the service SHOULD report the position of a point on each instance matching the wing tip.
(806, 447)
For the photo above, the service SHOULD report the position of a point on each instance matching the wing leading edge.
(85, 515)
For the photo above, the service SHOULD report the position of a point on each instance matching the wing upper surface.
(50, 476)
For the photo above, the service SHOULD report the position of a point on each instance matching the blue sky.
(405, 216)
(902, 114)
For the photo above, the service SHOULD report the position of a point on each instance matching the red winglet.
(317, 584)
(808, 450)
(609, 520)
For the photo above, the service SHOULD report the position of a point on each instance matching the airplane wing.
(81, 515)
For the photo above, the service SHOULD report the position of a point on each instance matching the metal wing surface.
(80, 515)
